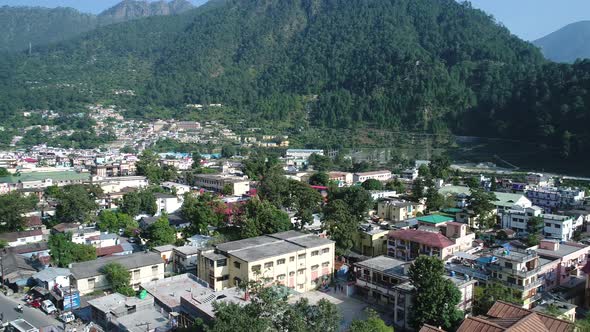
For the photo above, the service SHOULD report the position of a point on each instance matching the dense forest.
(21, 27)
(434, 66)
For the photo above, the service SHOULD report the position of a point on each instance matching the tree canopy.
(119, 278)
(13, 206)
(75, 203)
(63, 251)
(435, 298)
(160, 232)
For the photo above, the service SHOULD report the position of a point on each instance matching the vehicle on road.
(48, 307)
(36, 303)
(67, 317)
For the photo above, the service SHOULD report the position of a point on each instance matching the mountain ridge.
(437, 67)
(568, 43)
(22, 26)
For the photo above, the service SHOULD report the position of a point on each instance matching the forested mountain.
(20, 26)
(37, 26)
(131, 9)
(434, 66)
(568, 43)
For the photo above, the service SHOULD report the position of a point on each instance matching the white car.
(48, 306)
(67, 317)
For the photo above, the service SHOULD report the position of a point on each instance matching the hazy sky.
(528, 19)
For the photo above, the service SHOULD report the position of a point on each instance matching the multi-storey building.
(384, 281)
(570, 258)
(342, 178)
(408, 244)
(398, 210)
(297, 260)
(552, 199)
(370, 240)
(519, 270)
(383, 175)
(237, 185)
(115, 169)
(559, 227)
(88, 277)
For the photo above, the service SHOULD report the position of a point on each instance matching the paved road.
(32, 315)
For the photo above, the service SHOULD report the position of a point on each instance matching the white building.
(180, 189)
(551, 199)
(375, 175)
(167, 203)
(19, 238)
(52, 277)
(555, 226)
(302, 153)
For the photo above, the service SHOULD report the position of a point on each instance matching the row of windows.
(282, 261)
(256, 268)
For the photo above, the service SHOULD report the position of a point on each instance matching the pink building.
(570, 257)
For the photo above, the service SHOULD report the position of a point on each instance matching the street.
(34, 316)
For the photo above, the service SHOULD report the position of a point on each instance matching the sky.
(528, 19)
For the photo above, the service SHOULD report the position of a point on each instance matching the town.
(108, 241)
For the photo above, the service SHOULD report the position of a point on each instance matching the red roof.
(30, 160)
(431, 239)
(107, 251)
(34, 221)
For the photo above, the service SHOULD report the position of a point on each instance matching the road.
(34, 316)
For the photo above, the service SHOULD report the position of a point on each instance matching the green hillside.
(433, 66)
(567, 44)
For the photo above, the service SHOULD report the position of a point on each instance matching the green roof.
(40, 176)
(502, 199)
(435, 219)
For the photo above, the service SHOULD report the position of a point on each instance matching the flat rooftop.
(168, 291)
(41, 176)
(384, 264)
(203, 299)
(143, 320)
(265, 246)
(564, 250)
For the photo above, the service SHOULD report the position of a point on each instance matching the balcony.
(534, 284)
(514, 272)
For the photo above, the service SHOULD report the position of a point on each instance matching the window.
(281, 261)
(325, 250)
(315, 253)
(508, 265)
(267, 280)
(91, 283)
(222, 278)
(302, 256)
(301, 286)
(291, 274)
(292, 259)
(314, 267)
(136, 274)
(281, 277)
(256, 268)
(325, 264)
(557, 226)
(237, 265)
(222, 262)
(155, 269)
(547, 224)
(301, 271)
(268, 265)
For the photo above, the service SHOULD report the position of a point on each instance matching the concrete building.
(19, 238)
(384, 281)
(504, 201)
(342, 178)
(302, 153)
(558, 227)
(88, 277)
(114, 169)
(236, 186)
(167, 203)
(117, 184)
(370, 240)
(410, 174)
(51, 277)
(185, 259)
(519, 270)
(398, 210)
(571, 258)
(441, 242)
(551, 199)
(107, 309)
(36, 180)
(299, 261)
(382, 176)
(177, 188)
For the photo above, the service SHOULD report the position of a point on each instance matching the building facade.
(299, 261)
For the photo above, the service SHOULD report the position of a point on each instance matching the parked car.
(36, 303)
(48, 307)
(67, 317)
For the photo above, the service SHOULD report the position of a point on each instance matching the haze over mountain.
(432, 66)
(568, 43)
(21, 26)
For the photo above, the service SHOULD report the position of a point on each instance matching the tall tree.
(440, 167)
(63, 251)
(304, 200)
(485, 296)
(148, 165)
(418, 189)
(160, 233)
(534, 228)
(434, 200)
(13, 206)
(340, 224)
(482, 204)
(319, 179)
(131, 204)
(373, 323)
(119, 278)
(76, 203)
(262, 217)
(357, 200)
(202, 211)
(372, 184)
(435, 298)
